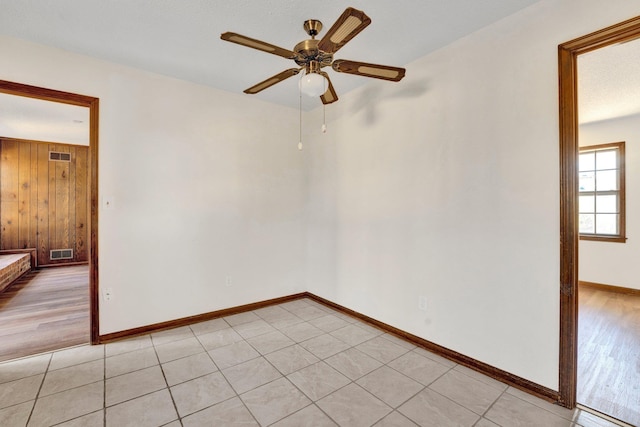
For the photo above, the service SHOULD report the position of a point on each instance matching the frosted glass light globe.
(313, 84)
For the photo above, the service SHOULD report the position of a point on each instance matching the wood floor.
(609, 353)
(45, 310)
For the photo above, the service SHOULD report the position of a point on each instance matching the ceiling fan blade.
(257, 44)
(272, 80)
(330, 95)
(384, 72)
(348, 25)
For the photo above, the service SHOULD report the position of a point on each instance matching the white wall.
(446, 185)
(616, 263)
(205, 184)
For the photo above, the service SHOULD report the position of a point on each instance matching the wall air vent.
(57, 156)
(57, 254)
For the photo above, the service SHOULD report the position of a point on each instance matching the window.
(601, 192)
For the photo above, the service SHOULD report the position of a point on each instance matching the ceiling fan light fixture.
(313, 84)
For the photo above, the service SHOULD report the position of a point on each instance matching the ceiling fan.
(312, 55)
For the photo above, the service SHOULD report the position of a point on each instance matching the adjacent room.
(273, 258)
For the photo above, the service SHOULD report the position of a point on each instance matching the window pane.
(606, 180)
(587, 223)
(607, 204)
(587, 181)
(607, 224)
(606, 159)
(586, 204)
(587, 162)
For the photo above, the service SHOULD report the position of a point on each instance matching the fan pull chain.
(324, 111)
(300, 112)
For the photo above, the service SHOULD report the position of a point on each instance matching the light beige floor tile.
(233, 354)
(231, 412)
(318, 380)
(435, 357)
(431, 409)
(170, 335)
(354, 407)
(16, 415)
(75, 356)
(324, 346)
(353, 363)
(467, 391)
(188, 368)
(328, 322)
(291, 359)
(395, 419)
(485, 423)
(209, 326)
(568, 414)
(272, 313)
(173, 424)
(177, 349)
(73, 376)
(274, 401)
(302, 331)
(239, 319)
(390, 386)
(254, 329)
(481, 377)
(309, 416)
(286, 321)
(19, 391)
(309, 312)
(201, 393)
(67, 405)
(398, 341)
(511, 411)
(219, 338)
(125, 346)
(94, 419)
(381, 349)
(131, 361)
(134, 384)
(296, 304)
(369, 328)
(251, 374)
(352, 334)
(419, 368)
(151, 410)
(22, 368)
(270, 342)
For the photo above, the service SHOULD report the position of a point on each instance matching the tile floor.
(294, 364)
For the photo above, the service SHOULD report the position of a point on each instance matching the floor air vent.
(59, 157)
(57, 254)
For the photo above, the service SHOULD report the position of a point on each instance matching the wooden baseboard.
(491, 371)
(610, 288)
(156, 327)
(486, 369)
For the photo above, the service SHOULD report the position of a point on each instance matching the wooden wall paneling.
(43, 204)
(71, 212)
(9, 196)
(24, 195)
(81, 204)
(33, 183)
(53, 208)
(62, 202)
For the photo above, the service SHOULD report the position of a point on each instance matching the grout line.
(175, 407)
(35, 399)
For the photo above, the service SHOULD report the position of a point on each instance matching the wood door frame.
(568, 78)
(92, 103)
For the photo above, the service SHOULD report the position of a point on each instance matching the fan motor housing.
(307, 51)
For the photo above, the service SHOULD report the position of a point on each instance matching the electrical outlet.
(422, 303)
(107, 294)
(227, 281)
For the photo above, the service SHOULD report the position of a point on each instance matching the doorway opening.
(88, 252)
(569, 193)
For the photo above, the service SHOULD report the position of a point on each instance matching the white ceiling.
(181, 38)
